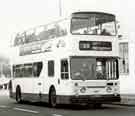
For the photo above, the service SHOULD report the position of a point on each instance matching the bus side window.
(17, 71)
(64, 69)
(51, 68)
(27, 70)
(37, 68)
(13, 69)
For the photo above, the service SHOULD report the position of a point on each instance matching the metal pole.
(0, 70)
(60, 8)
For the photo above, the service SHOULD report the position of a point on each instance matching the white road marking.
(56, 115)
(26, 110)
(3, 106)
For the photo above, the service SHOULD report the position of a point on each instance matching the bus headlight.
(83, 90)
(108, 89)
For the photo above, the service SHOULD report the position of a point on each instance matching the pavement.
(4, 92)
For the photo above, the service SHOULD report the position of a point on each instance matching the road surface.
(9, 107)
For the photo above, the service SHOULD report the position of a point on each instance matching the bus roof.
(93, 12)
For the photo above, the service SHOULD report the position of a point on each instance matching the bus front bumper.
(81, 99)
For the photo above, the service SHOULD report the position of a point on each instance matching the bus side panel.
(25, 85)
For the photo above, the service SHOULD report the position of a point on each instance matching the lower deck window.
(37, 67)
(27, 70)
(51, 68)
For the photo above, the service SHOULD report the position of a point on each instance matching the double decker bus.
(70, 61)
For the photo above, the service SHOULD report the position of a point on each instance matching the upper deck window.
(93, 24)
(45, 32)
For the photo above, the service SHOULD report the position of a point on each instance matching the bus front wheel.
(52, 97)
(18, 95)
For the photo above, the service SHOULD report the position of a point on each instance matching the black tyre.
(52, 97)
(97, 105)
(10, 88)
(18, 95)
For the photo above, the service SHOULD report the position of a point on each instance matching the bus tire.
(97, 105)
(18, 95)
(52, 97)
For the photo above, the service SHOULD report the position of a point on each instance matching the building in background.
(124, 57)
(5, 72)
(124, 65)
(127, 68)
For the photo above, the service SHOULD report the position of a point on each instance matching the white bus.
(70, 61)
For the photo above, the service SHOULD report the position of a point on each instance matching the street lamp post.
(60, 8)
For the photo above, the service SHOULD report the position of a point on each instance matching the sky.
(19, 15)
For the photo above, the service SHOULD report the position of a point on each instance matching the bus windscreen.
(94, 69)
(93, 24)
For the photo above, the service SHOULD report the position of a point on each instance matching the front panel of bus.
(91, 71)
(95, 75)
